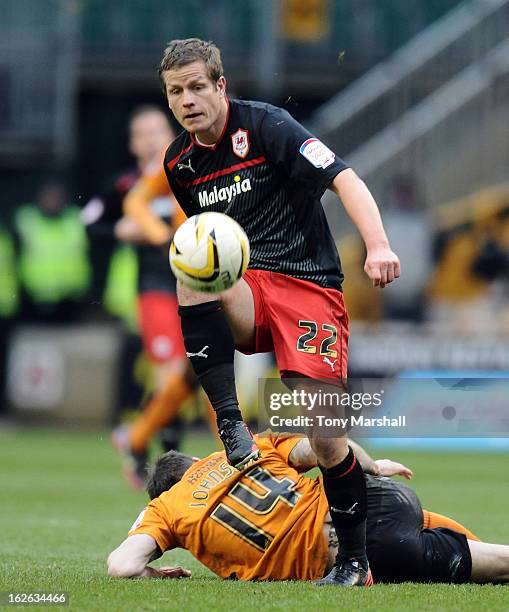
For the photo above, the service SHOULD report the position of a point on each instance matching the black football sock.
(345, 488)
(211, 349)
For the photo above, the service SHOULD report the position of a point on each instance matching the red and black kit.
(268, 173)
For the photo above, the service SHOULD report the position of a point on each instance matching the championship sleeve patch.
(317, 153)
(138, 521)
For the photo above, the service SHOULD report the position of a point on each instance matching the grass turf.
(64, 506)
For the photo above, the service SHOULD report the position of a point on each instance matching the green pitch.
(64, 506)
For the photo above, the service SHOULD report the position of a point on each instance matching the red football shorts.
(160, 326)
(304, 324)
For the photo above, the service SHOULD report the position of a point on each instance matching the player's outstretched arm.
(382, 265)
(303, 458)
(137, 205)
(379, 467)
(387, 467)
(129, 230)
(131, 559)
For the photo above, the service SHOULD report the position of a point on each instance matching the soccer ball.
(209, 252)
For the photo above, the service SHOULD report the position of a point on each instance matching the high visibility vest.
(53, 262)
(8, 277)
(121, 295)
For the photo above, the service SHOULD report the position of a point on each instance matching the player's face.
(149, 134)
(51, 199)
(198, 102)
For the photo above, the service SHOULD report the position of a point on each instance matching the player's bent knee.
(238, 292)
(329, 451)
(238, 306)
(188, 297)
(238, 303)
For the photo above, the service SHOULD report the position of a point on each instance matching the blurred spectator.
(470, 286)
(409, 229)
(53, 265)
(491, 218)
(492, 230)
(115, 266)
(8, 299)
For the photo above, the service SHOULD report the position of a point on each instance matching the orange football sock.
(159, 411)
(432, 520)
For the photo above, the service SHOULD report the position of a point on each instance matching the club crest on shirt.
(317, 153)
(240, 143)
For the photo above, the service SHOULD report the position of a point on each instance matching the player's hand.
(174, 572)
(382, 266)
(129, 230)
(386, 467)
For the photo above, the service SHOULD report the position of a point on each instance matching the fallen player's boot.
(240, 447)
(348, 572)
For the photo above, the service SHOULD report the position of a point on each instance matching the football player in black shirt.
(255, 163)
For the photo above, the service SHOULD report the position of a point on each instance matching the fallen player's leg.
(490, 562)
(432, 520)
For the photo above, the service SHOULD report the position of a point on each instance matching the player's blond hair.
(185, 51)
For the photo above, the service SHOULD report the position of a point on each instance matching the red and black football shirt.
(268, 173)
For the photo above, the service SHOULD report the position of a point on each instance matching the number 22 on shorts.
(304, 340)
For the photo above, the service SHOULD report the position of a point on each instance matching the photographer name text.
(278, 421)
